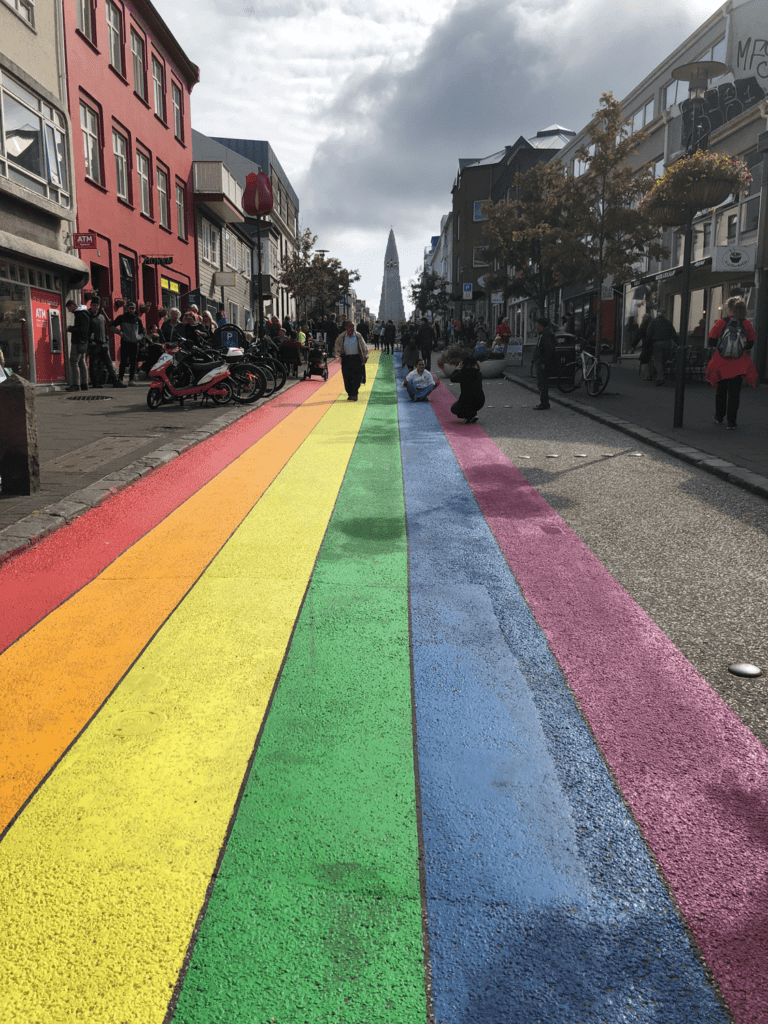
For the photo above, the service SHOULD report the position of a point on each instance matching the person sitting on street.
(419, 383)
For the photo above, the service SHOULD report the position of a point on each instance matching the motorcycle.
(178, 376)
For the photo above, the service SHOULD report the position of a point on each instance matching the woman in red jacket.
(731, 363)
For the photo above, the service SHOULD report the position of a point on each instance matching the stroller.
(317, 360)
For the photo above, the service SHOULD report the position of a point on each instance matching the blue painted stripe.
(543, 902)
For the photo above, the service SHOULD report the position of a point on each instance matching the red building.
(129, 86)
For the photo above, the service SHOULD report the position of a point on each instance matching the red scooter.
(179, 376)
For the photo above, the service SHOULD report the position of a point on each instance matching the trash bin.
(565, 353)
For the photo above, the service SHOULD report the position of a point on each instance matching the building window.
(85, 18)
(478, 256)
(33, 140)
(205, 241)
(669, 94)
(750, 215)
(139, 65)
(181, 216)
(214, 246)
(162, 198)
(145, 187)
(233, 312)
(178, 122)
(24, 8)
(120, 149)
(157, 79)
(641, 117)
(115, 34)
(706, 237)
(89, 122)
(228, 246)
(478, 214)
(127, 278)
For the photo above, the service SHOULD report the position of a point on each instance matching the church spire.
(391, 305)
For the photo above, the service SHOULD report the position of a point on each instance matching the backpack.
(732, 340)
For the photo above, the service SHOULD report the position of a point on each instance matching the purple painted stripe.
(694, 776)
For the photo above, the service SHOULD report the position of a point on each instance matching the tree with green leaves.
(430, 294)
(535, 237)
(296, 270)
(317, 282)
(617, 231)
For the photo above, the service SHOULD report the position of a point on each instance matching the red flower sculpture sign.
(257, 198)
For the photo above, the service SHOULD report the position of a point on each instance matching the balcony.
(219, 190)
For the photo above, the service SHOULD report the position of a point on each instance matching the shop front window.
(14, 317)
(127, 278)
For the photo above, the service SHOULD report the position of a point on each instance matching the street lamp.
(697, 75)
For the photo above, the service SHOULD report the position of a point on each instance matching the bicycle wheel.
(225, 385)
(597, 382)
(570, 378)
(280, 372)
(248, 382)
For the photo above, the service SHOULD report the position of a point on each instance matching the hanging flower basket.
(700, 180)
(707, 192)
(668, 215)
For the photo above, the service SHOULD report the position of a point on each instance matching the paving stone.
(91, 495)
(68, 510)
(33, 526)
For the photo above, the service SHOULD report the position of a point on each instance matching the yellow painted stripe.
(103, 875)
(55, 677)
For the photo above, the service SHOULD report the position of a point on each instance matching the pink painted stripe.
(694, 776)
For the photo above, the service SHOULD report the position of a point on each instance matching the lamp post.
(697, 75)
(322, 253)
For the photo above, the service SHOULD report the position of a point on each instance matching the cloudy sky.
(369, 105)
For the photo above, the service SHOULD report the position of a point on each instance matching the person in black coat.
(547, 360)
(425, 339)
(471, 397)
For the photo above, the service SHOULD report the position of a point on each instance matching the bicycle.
(588, 369)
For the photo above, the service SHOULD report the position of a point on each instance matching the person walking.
(129, 328)
(78, 345)
(100, 346)
(471, 396)
(353, 350)
(545, 349)
(661, 334)
(734, 336)
(419, 383)
(390, 336)
(425, 339)
(410, 348)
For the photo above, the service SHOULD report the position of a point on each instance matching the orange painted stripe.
(57, 675)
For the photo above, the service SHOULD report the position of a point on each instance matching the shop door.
(13, 336)
(100, 281)
(47, 338)
(149, 292)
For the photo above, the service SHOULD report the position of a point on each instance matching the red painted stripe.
(694, 776)
(59, 565)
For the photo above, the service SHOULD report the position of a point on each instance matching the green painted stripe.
(316, 912)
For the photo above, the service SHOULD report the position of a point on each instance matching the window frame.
(477, 261)
(144, 180)
(126, 157)
(98, 136)
(143, 77)
(178, 110)
(115, 33)
(157, 63)
(88, 6)
(181, 211)
(163, 208)
(477, 214)
(26, 6)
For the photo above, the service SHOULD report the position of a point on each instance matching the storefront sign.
(734, 257)
(170, 286)
(157, 261)
(466, 292)
(228, 279)
(497, 298)
(85, 240)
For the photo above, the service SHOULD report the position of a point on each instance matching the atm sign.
(85, 240)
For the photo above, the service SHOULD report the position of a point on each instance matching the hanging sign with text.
(729, 258)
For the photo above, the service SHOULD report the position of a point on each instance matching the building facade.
(38, 266)
(282, 223)
(729, 255)
(130, 86)
(391, 304)
(224, 246)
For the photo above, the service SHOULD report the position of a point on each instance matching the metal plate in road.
(99, 453)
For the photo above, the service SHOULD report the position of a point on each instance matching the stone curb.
(728, 471)
(28, 531)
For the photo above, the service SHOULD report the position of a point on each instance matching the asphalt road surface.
(355, 713)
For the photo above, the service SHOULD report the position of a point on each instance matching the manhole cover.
(89, 398)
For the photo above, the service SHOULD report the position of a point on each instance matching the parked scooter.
(178, 376)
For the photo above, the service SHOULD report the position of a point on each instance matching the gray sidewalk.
(96, 443)
(645, 412)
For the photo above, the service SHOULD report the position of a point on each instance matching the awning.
(75, 271)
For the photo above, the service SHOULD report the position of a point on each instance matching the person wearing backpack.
(733, 336)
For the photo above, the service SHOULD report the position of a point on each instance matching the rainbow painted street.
(335, 719)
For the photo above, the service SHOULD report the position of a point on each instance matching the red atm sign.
(85, 240)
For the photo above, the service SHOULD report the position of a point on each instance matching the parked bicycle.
(587, 369)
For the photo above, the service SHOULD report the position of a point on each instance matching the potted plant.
(697, 181)
(451, 358)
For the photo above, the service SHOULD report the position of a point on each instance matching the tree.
(296, 269)
(536, 235)
(430, 294)
(618, 232)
